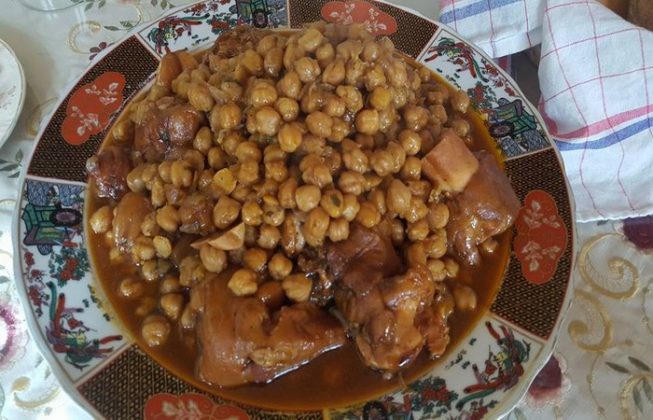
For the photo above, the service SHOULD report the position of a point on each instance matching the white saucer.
(12, 91)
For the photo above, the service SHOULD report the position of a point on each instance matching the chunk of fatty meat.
(382, 307)
(487, 207)
(450, 163)
(109, 170)
(162, 130)
(130, 213)
(242, 342)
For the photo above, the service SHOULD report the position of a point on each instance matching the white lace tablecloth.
(603, 367)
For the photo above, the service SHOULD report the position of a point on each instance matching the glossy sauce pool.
(337, 378)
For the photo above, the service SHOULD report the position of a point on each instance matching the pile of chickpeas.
(305, 133)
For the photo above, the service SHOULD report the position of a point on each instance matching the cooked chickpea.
(378, 198)
(286, 193)
(410, 141)
(318, 175)
(307, 197)
(273, 152)
(290, 85)
(418, 231)
(415, 117)
(203, 140)
(412, 168)
(249, 172)
(338, 229)
(397, 232)
(334, 72)
(251, 61)
(438, 216)
(225, 181)
(172, 304)
(452, 267)
(131, 288)
(459, 101)
(149, 271)
(273, 61)
(155, 330)
(382, 162)
(273, 214)
(255, 259)
(351, 206)
(310, 39)
(368, 215)
(297, 287)
(435, 245)
(351, 182)
(416, 211)
(216, 158)
(460, 126)
(398, 155)
(352, 97)
(267, 121)
(354, 70)
(248, 150)
(288, 109)
(162, 246)
(123, 131)
(252, 213)
(213, 259)
(332, 202)
(367, 121)
(169, 284)
(316, 226)
(165, 169)
(143, 249)
(243, 282)
(279, 266)
(319, 124)
(225, 117)
(356, 160)
(149, 226)
(380, 98)
(465, 298)
(437, 269)
(168, 218)
(135, 179)
(262, 94)
(200, 97)
(269, 237)
(101, 219)
(324, 54)
(334, 106)
(225, 212)
(181, 174)
(307, 69)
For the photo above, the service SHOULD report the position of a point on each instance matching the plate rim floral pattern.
(20, 86)
(507, 401)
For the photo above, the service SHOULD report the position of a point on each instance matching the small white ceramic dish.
(12, 90)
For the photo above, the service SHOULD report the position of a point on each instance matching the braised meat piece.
(382, 307)
(162, 130)
(360, 256)
(130, 213)
(486, 207)
(109, 170)
(242, 342)
(195, 214)
(234, 41)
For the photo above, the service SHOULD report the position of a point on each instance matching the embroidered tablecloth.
(600, 369)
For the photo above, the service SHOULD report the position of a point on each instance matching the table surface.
(602, 368)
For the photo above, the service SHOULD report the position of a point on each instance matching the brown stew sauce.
(336, 378)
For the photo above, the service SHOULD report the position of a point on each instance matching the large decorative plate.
(108, 374)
